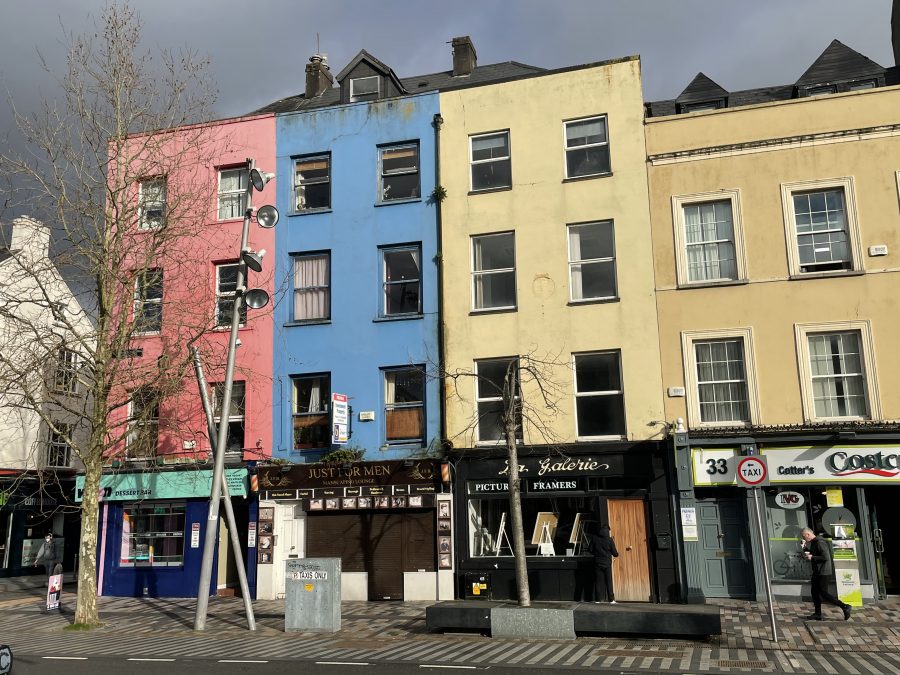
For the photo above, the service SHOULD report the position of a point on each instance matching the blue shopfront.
(152, 528)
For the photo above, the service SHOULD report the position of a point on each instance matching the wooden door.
(631, 570)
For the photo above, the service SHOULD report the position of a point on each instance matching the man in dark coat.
(603, 548)
(49, 554)
(818, 552)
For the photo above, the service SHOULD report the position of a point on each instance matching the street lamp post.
(255, 298)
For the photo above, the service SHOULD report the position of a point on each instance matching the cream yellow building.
(776, 247)
(546, 256)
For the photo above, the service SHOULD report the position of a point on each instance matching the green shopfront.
(152, 526)
(846, 492)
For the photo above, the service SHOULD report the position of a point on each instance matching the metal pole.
(765, 556)
(226, 498)
(212, 519)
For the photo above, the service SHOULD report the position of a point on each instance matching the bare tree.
(527, 395)
(122, 171)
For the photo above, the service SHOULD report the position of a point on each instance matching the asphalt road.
(57, 665)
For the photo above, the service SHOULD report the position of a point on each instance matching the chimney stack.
(30, 237)
(318, 76)
(895, 31)
(464, 57)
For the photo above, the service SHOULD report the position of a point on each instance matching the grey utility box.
(312, 595)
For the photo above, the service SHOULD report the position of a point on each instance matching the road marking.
(342, 663)
(240, 661)
(435, 665)
(65, 658)
(148, 659)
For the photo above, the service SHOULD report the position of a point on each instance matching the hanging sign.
(339, 411)
(789, 499)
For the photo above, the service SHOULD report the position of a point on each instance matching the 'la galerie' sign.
(564, 466)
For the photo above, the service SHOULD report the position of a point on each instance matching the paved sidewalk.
(395, 632)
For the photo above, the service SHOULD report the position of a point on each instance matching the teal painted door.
(724, 549)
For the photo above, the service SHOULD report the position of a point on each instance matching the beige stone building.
(776, 248)
(547, 258)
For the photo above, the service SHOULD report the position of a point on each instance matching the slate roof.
(838, 63)
(442, 81)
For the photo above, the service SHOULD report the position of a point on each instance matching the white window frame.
(417, 172)
(787, 202)
(582, 261)
(491, 399)
(139, 302)
(65, 378)
(566, 149)
(692, 384)
(681, 260)
(240, 192)
(479, 273)
(591, 394)
(301, 183)
(473, 162)
(802, 331)
(377, 92)
(220, 295)
(148, 422)
(143, 220)
(57, 444)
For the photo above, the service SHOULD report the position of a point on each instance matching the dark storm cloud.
(259, 49)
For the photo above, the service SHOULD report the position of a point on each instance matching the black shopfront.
(565, 492)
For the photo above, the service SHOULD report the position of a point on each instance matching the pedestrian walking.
(602, 546)
(818, 552)
(49, 554)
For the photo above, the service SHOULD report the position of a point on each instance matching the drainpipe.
(437, 122)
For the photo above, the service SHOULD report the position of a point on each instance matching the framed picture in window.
(415, 501)
(315, 504)
(348, 503)
(445, 561)
(443, 509)
(444, 544)
(365, 502)
(398, 502)
(443, 525)
(382, 502)
(266, 513)
(332, 503)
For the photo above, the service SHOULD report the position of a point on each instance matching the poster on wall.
(689, 524)
(264, 540)
(339, 418)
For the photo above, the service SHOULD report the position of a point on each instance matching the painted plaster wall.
(354, 345)
(538, 208)
(189, 287)
(771, 303)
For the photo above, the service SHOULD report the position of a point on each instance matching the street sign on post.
(752, 472)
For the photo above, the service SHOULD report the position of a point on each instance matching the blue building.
(357, 250)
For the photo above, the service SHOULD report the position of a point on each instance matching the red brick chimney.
(318, 76)
(464, 57)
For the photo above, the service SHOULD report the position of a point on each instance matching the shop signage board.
(339, 419)
(163, 485)
(353, 475)
(835, 464)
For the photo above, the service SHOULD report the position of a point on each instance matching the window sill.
(399, 317)
(504, 188)
(575, 179)
(391, 202)
(311, 322)
(310, 212)
(225, 329)
(225, 221)
(593, 439)
(829, 420)
(824, 275)
(736, 424)
(148, 334)
(494, 444)
(713, 284)
(593, 301)
(493, 310)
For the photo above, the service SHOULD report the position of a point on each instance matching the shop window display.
(153, 535)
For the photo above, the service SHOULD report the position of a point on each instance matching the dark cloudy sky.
(259, 48)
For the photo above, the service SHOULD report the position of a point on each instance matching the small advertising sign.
(195, 535)
(846, 572)
(251, 536)
(689, 524)
(340, 416)
(54, 589)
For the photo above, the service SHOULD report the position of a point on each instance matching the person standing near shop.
(602, 546)
(818, 552)
(49, 554)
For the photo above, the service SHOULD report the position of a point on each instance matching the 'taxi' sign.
(752, 471)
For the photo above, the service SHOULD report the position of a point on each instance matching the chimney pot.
(318, 76)
(464, 57)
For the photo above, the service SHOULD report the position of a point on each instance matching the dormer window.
(862, 84)
(824, 89)
(364, 88)
(702, 105)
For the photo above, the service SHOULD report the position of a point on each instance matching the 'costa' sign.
(789, 499)
(876, 464)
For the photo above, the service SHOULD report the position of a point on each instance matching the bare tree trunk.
(510, 433)
(86, 610)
